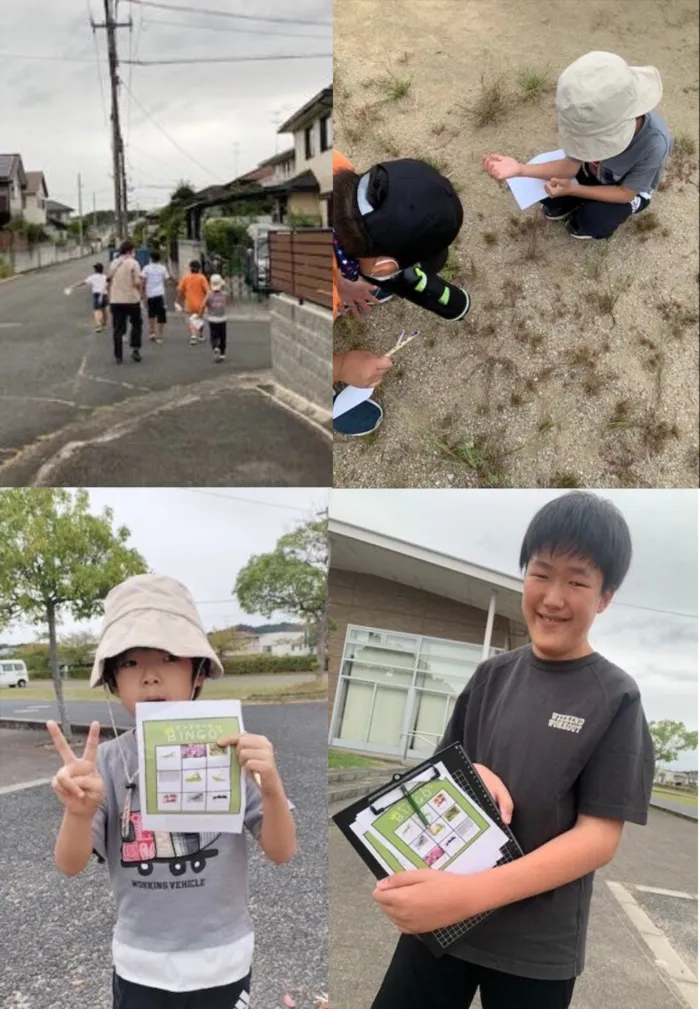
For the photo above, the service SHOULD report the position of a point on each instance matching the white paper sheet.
(185, 785)
(529, 191)
(350, 397)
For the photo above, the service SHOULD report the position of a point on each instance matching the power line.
(231, 497)
(49, 59)
(229, 59)
(243, 31)
(652, 609)
(168, 137)
(228, 14)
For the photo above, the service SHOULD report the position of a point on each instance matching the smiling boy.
(561, 739)
(183, 936)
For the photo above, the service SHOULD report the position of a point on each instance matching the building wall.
(377, 602)
(322, 162)
(305, 203)
(35, 209)
(302, 349)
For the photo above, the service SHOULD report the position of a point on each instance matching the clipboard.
(460, 772)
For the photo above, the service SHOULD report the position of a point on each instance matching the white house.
(36, 196)
(282, 643)
(312, 126)
(13, 184)
(283, 168)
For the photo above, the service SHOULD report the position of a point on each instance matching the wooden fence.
(301, 264)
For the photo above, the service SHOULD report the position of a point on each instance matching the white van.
(13, 673)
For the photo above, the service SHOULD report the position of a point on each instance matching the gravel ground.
(538, 386)
(57, 932)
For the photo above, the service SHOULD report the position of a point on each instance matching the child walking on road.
(97, 282)
(215, 305)
(193, 289)
(153, 277)
(184, 945)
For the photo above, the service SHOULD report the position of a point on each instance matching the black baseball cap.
(409, 210)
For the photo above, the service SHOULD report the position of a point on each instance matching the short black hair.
(98, 267)
(126, 247)
(155, 255)
(195, 266)
(347, 219)
(582, 525)
(109, 673)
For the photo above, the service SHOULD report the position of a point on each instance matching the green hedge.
(239, 666)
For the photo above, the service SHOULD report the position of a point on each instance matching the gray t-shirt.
(565, 738)
(215, 305)
(174, 892)
(641, 165)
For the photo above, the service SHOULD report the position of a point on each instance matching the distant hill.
(268, 628)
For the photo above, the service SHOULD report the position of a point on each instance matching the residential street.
(58, 930)
(69, 415)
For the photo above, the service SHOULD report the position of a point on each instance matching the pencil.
(414, 806)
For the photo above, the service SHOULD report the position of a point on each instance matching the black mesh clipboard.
(455, 759)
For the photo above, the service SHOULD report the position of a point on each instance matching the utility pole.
(118, 167)
(80, 211)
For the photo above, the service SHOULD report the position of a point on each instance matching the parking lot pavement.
(57, 931)
(621, 970)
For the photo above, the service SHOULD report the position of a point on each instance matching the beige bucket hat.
(216, 282)
(599, 96)
(152, 611)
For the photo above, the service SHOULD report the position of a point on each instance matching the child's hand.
(499, 792)
(357, 295)
(500, 167)
(78, 784)
(364, 369)
(257, 757)
(558, 187)
(422, 900)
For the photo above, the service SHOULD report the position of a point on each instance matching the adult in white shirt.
(153, 278)
(124, 279)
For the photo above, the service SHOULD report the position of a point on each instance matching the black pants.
(121, 314)
(217, 335)
(418, 980)
(593, 217)
(127, 995)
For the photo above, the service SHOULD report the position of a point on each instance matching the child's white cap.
(216, 282)
(152, 611)
(599, 97)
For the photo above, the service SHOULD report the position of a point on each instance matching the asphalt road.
(57, 932)
(175, 419)
(675, 807)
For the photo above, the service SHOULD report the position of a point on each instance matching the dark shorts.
(127, 995)
(99, 301)
(156, 308)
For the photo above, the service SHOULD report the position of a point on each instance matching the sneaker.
(432, 293)
(98, 329)
(152, 336)
(362, 419)
(222, 357)
(381, 295)
(571, 230)
(555, 215)
(159, 339)
(119, 360)
(193, 341)
(136, 356)
(217, 356)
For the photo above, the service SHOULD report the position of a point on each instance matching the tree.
(78, 647)
(293, 579)
(227, 640)
(670, 739)
(57, 557)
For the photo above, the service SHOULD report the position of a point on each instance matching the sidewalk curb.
(675, 812)
(315, 415)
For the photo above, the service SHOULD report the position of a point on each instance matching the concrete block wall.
(37, 256)
(302, 349)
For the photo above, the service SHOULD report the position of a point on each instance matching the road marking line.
(34, 707)
(667, 893)
(25, 784)
(10, 325)
(663, 952)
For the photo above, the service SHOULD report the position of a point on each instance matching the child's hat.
(409, 210)
(216, 282)
(152, 611)
(599, 97)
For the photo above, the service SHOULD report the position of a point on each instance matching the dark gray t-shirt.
(565, 738)
(641, 165)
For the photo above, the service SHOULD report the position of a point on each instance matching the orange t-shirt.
(194, 287)
(340, 164)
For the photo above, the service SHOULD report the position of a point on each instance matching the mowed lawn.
(230, 687)
(684, 798)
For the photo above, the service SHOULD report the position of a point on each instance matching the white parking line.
(25, 784)
(661, 949)
(667, 893)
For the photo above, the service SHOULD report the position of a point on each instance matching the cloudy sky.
(54, 110)
(201, 537)
(659, 649)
